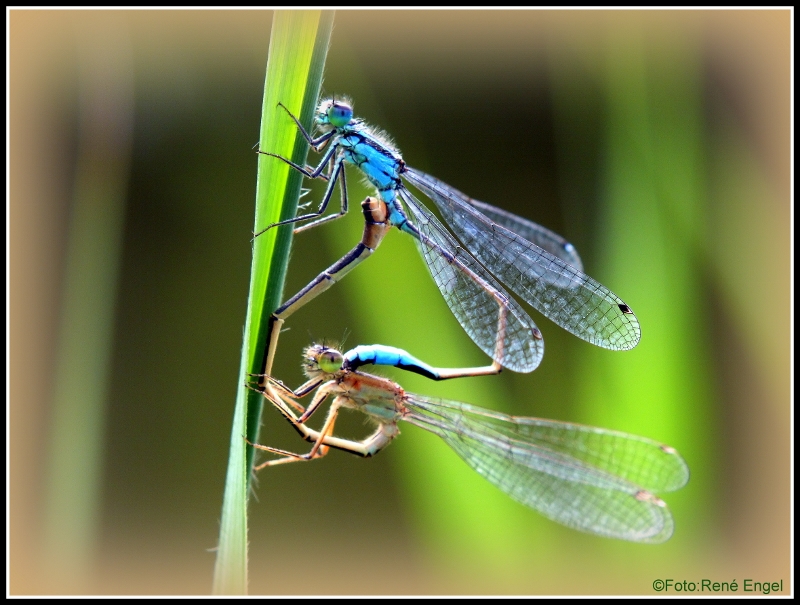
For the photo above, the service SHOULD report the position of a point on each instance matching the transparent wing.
(558, 290)
(533, 232)
(587, 478)
(474, 296)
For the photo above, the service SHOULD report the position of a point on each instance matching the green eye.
(330, 361)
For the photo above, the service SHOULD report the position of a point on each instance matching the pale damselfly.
(590, 479)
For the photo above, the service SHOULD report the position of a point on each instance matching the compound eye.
(340, 114)
(330, 361)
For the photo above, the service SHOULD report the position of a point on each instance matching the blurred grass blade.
(650, 238)
(80, 389)
(298, 47)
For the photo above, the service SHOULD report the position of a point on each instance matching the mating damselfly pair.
(590, 479)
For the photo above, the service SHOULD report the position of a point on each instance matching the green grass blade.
(298, 47)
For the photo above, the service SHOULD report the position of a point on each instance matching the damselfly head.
(331, 112)
(320, 359)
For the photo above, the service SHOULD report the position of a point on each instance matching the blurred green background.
(657, 142)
